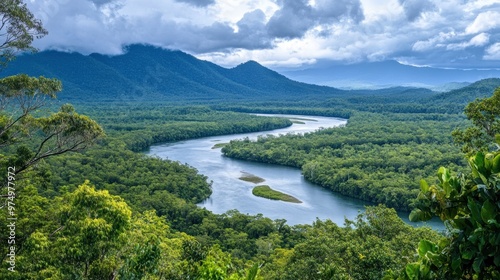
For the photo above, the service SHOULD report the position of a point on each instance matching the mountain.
(480, 89)
(150, 73)
(386, 74)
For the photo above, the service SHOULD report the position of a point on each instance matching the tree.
(18, 29)
(78, 235)
(92, 226)
(484, 114)
(35, 138)
(468, 203)
(24, 134)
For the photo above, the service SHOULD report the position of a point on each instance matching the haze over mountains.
(387, 74)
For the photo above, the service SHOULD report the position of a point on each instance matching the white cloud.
(434, 42)
(493, 52)
(484, 22)
(477, 41)
(280, 32)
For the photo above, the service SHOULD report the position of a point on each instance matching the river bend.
(229, 192)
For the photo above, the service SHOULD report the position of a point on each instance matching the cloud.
(434, 42)
(296, 17)
(452, 33)
(97, 2)
(484, 22)
(414, 8)
(477, 41)
(293, 19)
(198, 3)
(493, 52)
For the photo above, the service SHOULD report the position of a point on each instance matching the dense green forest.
(81, 202)
(157, 232)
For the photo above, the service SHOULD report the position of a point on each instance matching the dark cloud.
(101, 2)
(217, 37)
(197, 3)
(296, 17)
(252, 30)
(328, 11)
(293, 19)
(414, 8)
(251, 35)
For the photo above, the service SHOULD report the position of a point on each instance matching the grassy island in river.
(266, 192)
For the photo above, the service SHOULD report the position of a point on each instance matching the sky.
(282, 33)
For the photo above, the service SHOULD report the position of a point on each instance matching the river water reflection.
(229, 192)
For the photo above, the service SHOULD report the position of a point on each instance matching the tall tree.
(18, 29)
(26, 135)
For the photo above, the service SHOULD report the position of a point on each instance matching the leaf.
(479, 160)
(488, 161)
(496, 164)
(475, 211)
(478, 163)
(443, 174)
(478, 262)
(497, 260)
(418, 215)
(447, 189)
(425, 246)
(252, 272)
(455, 263)
(412, 270)
(424, 187)
(468, 254)
(488, 211)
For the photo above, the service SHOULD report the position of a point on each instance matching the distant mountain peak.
(250, 64)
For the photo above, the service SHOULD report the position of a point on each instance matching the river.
(229, 192)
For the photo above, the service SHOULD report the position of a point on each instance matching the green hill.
(479, 89)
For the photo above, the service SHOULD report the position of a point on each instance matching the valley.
(170, 156)
(251, 140)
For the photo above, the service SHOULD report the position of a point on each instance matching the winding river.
(229, 192)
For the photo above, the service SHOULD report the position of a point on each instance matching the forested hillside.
(147, 73)
(81, 202)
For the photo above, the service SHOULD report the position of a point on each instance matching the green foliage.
(77, 235)
(18, 30)
(141, 221)
(28, 137)
(484, 114)
(469, 204)
(375, 242)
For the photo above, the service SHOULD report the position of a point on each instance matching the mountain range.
(151, 73)
(147, 73)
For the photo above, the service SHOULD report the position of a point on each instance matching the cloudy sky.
(282, 33)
